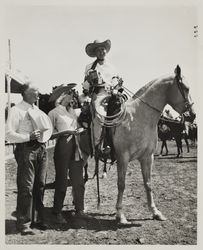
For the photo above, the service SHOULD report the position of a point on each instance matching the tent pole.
(8, 77)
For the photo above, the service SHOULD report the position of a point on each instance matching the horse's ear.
(178, 71)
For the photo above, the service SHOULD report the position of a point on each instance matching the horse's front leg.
(179, 147)
(187, 144)
(121, 171)
(146, 166)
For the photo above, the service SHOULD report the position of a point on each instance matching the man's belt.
(32, 143)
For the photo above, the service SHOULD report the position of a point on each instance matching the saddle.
(105, 149)
(111, 104)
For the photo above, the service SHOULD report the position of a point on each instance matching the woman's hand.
(79, 130)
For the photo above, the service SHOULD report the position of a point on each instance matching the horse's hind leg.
(121, 171)
(146, 166)
(165, 144)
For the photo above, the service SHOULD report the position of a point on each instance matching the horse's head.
(189, 116)
(178, 95)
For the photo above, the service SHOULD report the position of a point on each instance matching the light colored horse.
(136, 137)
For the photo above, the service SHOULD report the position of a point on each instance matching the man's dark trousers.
(31, 158)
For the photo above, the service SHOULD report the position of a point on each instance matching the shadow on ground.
(92, 223)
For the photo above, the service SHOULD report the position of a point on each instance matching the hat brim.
(91, 47)
(59, 90)
(45, 133)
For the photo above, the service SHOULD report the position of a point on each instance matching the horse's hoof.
(104, 175)
(122, 221)
(159, 217)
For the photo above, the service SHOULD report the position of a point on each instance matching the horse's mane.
(143, 89)
(148, 85)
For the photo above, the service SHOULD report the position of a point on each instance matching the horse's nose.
(193, 116)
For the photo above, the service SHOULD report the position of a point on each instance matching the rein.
(179, 81)
(159, 111)
(146, 103)
(114, 120)
(180, 87)
(171, 120)
(128, 92)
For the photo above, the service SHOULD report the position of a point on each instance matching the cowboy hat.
(91, 47)
(68, 97)
(61, 89)
(41, 121)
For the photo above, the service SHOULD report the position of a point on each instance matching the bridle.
(149, 105)
(179, 82)
(180, 86)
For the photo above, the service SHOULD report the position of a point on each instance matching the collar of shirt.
(26, 105)
(63, 119)
(19, 125)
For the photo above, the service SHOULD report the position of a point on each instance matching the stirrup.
(106, 151)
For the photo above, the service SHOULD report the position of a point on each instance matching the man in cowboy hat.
(103, 77)
(106, 72)
(31, 157)
(67, 156)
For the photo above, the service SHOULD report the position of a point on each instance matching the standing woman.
(67, 156)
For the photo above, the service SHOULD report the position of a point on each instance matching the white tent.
(13, 83)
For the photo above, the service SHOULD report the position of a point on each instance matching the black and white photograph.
(100, 123)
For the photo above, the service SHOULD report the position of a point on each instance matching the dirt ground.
(175, 193)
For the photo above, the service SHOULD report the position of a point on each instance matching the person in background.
(67, 157)
(31, 158)
(168, 114)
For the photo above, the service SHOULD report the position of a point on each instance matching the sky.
(48, 41)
